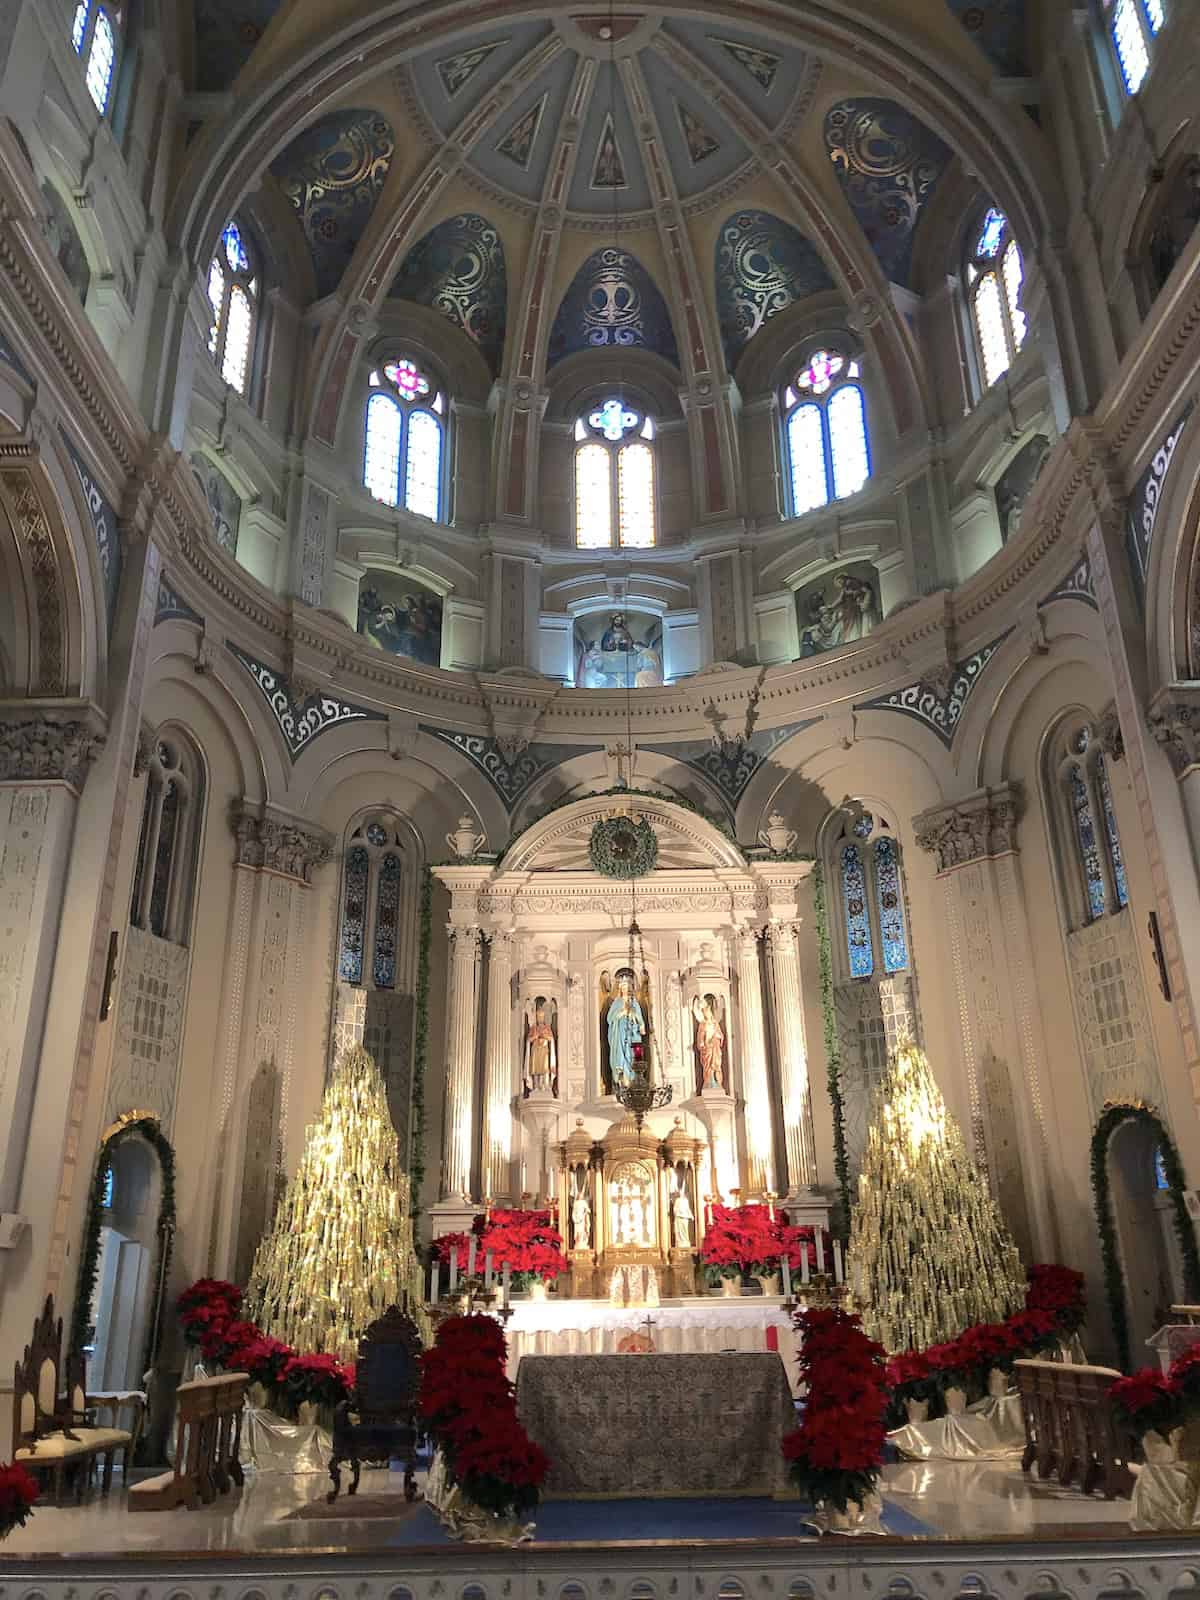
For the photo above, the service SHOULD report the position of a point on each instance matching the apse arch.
(719, 850)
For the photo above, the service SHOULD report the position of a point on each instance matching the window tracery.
(1096, 882)
(615, 490)
(164, 873)
(1133, 26)
(372, 892)
(404, 443)
(825, 431)
(995, 272)
(870, 879)
(233, 293)
(94, 35)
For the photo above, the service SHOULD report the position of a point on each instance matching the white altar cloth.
(701, 1323)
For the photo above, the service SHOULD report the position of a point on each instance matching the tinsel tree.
(930, 1254)
(340, 1250)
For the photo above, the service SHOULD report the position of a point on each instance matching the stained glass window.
(423, 467)
(163, 871)
(1116, 859)
(404, 439)
(164, 855)
(806, 454)
(235, 364)
(593, 498)
(79, 26)
(1014, 275)
(1155, 14)
(825, 432)
(354, 915)
(890, 901)
(847, 417)
(635, 496)
(1128, 25)
(387, 909)
(235, 250)
(994, 273)
(1160, 1170)
(991, 233)
(989, 323)
(859, 946)
(1085, 834)
(233, 294)
(101, 57)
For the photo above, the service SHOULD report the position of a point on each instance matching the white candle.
(787, 1276)
(471, 1248)
(487, 1269)
(837, 1261)
(804, 1261)
(507, 1272)
(819, 1235)
(453, 1268)
(435, 1274)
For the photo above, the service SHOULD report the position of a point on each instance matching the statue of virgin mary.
(626, 1027)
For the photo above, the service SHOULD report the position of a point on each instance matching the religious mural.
(621, 650)
(612, 300)
(838, 609)
(888, 164)
(401, 617)
(763, 265)
(456, 71)
(1178, 218)
(458, 268)
(760, 64)
(224, 503)
(63, 238)
(1018, 480)
(710, 1042)
(332, 175)
(540, 1071)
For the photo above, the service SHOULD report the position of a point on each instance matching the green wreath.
(621, 847)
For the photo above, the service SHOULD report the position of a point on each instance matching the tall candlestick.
(804, 1262)
(819, 1236)
(487, 1269)
(434, 1275)
(787, 1276)
(837, 1261)
(507, 1283)
(471, 1248)
(453, 1268)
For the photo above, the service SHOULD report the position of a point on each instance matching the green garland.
(1114, 1279)
(634, 859)
(416, 1145)
(89, 1254)
(833, 1048)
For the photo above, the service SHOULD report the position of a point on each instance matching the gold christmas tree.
(930, 1254)
(340, 1250)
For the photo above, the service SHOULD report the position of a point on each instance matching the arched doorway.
(1146, 1236)
(117, 1318)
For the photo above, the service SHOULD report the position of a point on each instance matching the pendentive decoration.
(623, 847)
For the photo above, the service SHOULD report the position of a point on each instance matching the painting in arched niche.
(617, 650)
(402, 617)
(839, 608)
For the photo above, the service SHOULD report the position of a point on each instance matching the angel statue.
(709, 1040)
(541, 1056)
(626, 1028)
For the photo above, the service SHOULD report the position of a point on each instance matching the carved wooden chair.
(379, 1420)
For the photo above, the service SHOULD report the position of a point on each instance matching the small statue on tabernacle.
(681, 1217)
(581, 1217)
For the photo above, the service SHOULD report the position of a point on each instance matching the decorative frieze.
(1146, 498)
(1174, 720)
(104, 526)
(509, 769)
(939, 702)
(44, 750)
(982, 826)
(284, 846)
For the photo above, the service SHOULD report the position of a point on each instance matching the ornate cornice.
(49, 746)
(275, 843)
(1173, 717)
(982, 826)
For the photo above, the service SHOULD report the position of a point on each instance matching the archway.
(1147, 1240)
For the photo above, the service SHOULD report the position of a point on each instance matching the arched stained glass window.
(354, 915)
(859, 946)
(889, 899)
(615, 492)
(233, 293)
(1097, 884)
(404, 438)
(375, 892)
(994, 274)
(387, 909)
(825, 432)
(94, 37)
(1132, 27)
(164, 871)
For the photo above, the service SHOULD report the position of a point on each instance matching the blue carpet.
(625, 1521)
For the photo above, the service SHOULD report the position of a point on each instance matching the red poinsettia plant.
(527, 1242)
(1149, 1399)
(18, 1492)
(208, 1312)
(754, 1240)
(469, 1407)
(834, 1456)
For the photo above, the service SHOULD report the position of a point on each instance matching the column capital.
(50, 742)
(1108, 731)
(279, 842)
(1173, 717)
(977, 828)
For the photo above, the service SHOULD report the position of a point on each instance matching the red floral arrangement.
(18, 1491)
(835, 1454)
(470, 1409)
(1149, 1399)
(209, 1310)
(527, 1242)
(750, 1239)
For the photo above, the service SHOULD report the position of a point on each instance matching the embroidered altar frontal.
(637, 1426)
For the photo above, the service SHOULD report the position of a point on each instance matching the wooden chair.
(208, 1434)
(53, 1428)
(380, 1419)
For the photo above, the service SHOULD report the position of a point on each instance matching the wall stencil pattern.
(763, 265)
(458, 268)
(612, 301)
(332, 175)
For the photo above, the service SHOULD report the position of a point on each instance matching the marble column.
(457, 1140)
(498, 1072)
(792, 1055)
(756, 1091)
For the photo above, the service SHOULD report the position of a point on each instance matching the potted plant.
(1151, 1403)
(528, 1243)
(835, 1455)
(914, 1385)
(18, 1492)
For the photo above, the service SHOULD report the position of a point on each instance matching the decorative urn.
(465, 841)
(777, 836)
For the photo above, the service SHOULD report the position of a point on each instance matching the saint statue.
(541, 1056)
(626, 1028)
(709, 1041)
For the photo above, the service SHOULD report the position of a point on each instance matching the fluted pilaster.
(792, 1055)
(760, 1173)
(460, 1064)
(498, 1071)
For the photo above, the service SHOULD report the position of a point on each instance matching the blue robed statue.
(626, 1027)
